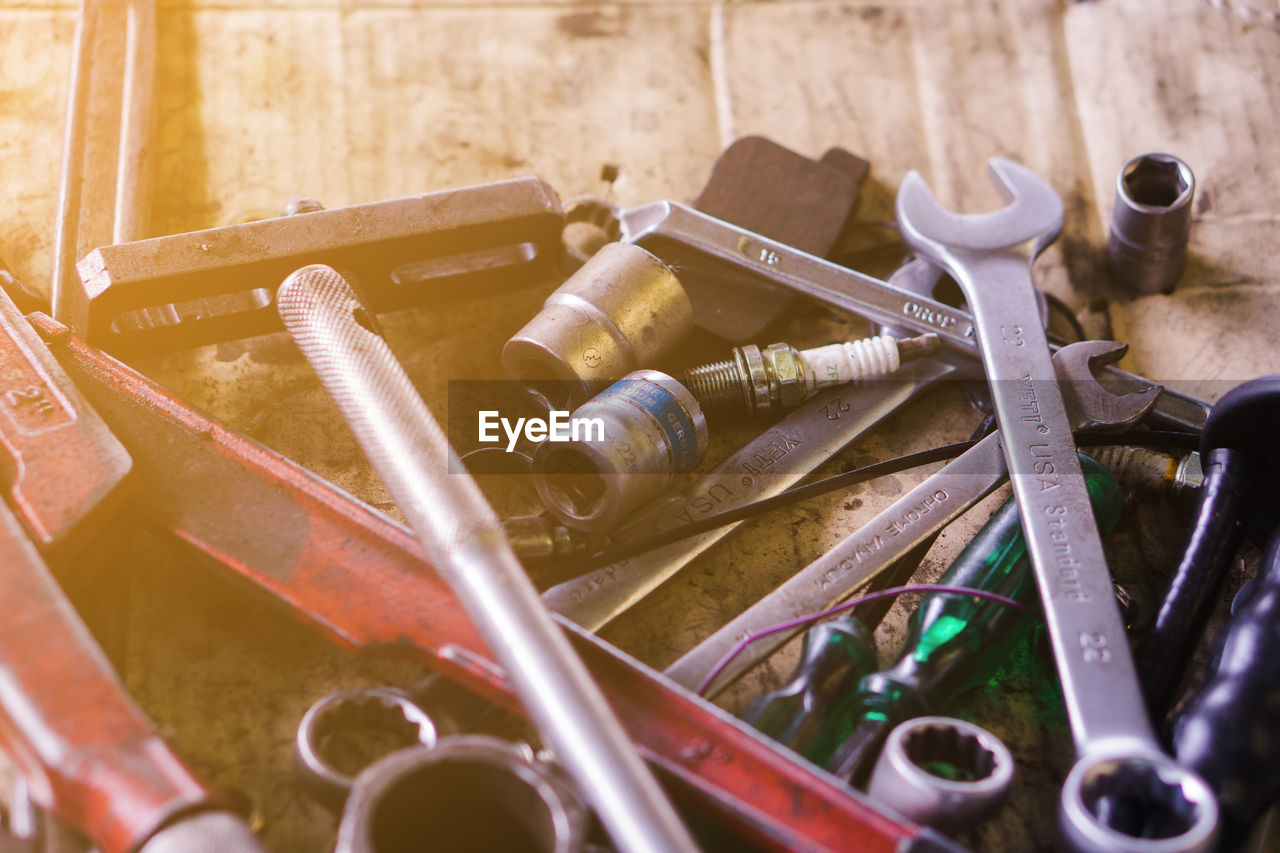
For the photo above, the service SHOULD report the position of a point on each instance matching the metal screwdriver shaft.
(465, 542)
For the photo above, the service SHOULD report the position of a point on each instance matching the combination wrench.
(1123, 793)
(700, 244)
(918, 514)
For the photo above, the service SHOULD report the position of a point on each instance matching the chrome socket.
(637, 437)
(904, 781)
(1151, 222)
(623, 310)
(469, 792)
(369, 709)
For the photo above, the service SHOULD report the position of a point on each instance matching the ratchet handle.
(1215, 537)
(1226, 730)
(86, 751)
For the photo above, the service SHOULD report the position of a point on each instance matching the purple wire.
(801, 621)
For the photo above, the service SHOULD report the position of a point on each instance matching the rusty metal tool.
(464, 540)
(64, 472)
(363, 581)
(106, 165)
(219, 284)
(87, 754)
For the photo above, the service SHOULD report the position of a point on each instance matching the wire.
(801, 621)
(1065, 310)
(626, 550)
(985, 428)
(1158, 439)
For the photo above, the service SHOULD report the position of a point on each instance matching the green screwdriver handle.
(836, 655)
(955, 642)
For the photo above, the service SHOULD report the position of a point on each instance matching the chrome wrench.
(769, 464)
(699, 243)
(918, 514)
(1123, 793)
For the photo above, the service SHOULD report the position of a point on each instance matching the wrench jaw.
(1132, 798)
(1028, 193)
(1034, 212)
(1100, 409)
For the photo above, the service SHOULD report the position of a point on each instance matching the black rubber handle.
(1229, 729)
(1197, 582)
(1247, 419)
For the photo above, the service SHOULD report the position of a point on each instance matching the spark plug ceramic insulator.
(754, 382)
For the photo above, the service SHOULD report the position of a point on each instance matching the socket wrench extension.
(918, 514)
(464, 539)
(1124, 793)
(690, 240)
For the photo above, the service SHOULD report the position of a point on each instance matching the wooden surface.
(352, 102)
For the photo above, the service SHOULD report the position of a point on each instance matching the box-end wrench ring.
(1124, 793)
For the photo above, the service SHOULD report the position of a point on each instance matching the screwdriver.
(835, 655)
(957, 642)
(953, 642)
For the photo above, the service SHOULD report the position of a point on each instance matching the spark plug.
(752, 382)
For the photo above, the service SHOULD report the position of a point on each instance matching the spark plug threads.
(753, 382)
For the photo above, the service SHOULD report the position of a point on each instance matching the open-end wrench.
(1123, 793)
(918, 514)
(767, 465)
(693, 241)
